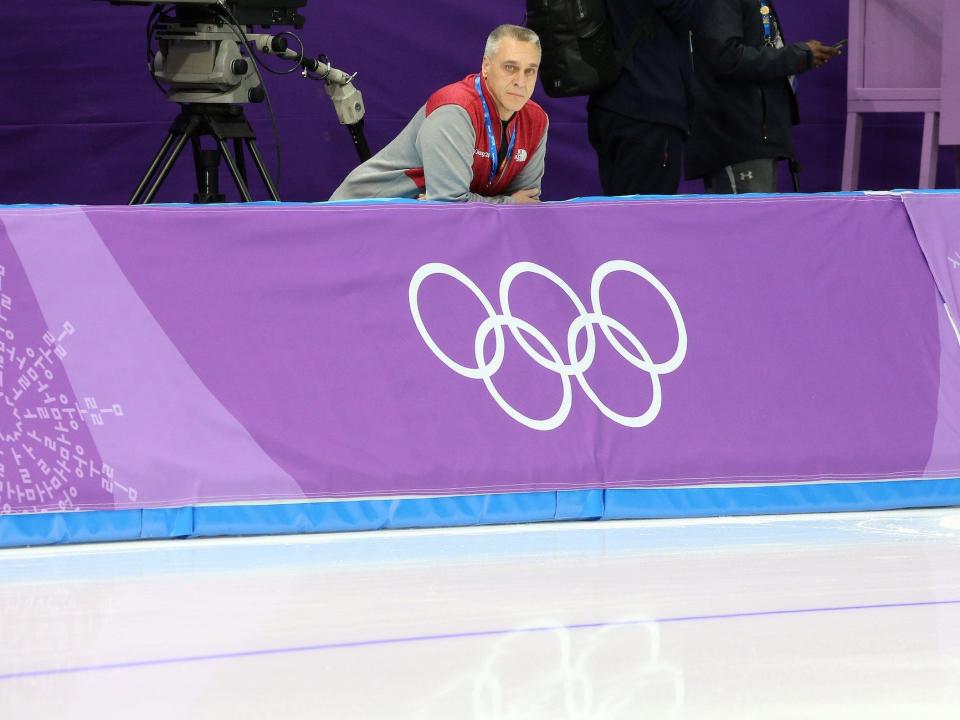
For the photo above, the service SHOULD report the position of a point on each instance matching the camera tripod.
(222, 123)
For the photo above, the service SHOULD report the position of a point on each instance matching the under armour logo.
(955, 260)
(746, 175)
(574, 365)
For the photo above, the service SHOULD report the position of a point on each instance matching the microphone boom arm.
(346, 98)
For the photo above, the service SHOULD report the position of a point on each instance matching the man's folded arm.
(532, 174)
(446, 143)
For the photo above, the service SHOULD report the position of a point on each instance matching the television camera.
(206, 60)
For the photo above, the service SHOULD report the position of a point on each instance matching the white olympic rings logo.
(577, 366)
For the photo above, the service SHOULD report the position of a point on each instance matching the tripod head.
(203, 63)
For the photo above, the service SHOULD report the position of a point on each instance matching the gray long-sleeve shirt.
(443, 144)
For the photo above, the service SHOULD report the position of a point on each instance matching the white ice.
(801, 617)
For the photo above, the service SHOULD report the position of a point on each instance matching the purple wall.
(80, 118)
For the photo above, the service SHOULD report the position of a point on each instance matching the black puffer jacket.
(744, 107)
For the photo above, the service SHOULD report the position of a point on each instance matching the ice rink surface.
(801, 617)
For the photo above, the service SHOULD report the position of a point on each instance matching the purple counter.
(240, 369)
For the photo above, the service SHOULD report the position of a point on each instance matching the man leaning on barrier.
(481, 139)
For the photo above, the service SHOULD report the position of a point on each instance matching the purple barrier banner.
(168, 356)
(935, 219)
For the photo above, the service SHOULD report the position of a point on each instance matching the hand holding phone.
(821, 54)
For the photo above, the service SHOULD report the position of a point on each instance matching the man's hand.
(530, 195)
(822, 54)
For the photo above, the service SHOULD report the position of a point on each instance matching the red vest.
(529, 124)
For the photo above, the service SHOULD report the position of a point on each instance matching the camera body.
(202, 44)
(265, 13)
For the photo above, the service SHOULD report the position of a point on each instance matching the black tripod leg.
(198, 162)
(188, 133)
(157, 159)
(234, 171)
(794, 174)
(165, 170)
(262, 169)
(241, 163)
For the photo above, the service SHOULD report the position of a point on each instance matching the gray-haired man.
(479, 139)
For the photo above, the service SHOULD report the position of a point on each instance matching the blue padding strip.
(75, 527)
(579, 505)
(458, 511)
(340, 516)
(173, 523)
(291, 518)
(780, 499)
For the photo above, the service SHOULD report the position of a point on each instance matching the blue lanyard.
(491, 140)
(765, 13)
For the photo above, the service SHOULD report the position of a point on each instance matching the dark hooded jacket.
(745, 108)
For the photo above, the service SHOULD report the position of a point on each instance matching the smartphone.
(840, 45)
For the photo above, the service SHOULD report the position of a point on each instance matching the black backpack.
(579, 57)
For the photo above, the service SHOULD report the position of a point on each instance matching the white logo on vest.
(576, 367)
(521, 155)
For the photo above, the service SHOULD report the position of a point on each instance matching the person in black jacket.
(637, 125)
(745, 96)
